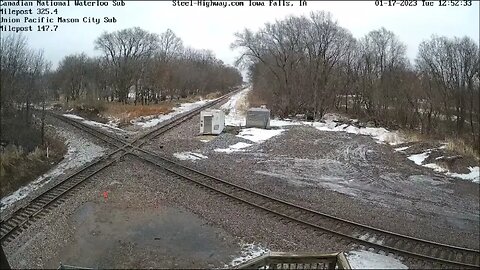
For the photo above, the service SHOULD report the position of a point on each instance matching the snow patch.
(153, 120)
(103, 126)
(232, 108)
(400, 149)
(238, 147)
(113, 121)
(107, 127)
(381, 135)
(435, 167)
(283, 123)
(368, 260)
(189, 156)
(80, 151)
(474, 174)
(249, 251)
(419, 158)
(73, 116)
(259, 135)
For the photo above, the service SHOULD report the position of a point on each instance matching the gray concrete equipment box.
(258, 117)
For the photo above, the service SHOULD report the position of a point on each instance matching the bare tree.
(127, 51)
(22, 74)
(451, 67)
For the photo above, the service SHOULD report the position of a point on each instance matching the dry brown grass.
(124, 113)
(455, 145)
(411, 136)
(127, 112)
(254, 100)
(461, 147)
(213, 95)
(18, 168)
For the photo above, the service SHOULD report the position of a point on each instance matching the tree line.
(23, 81)
(311, 65)
(152, 66)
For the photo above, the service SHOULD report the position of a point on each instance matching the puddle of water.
(165, 237)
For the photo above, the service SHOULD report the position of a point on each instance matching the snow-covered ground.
(153, 120)
(474, 174)
(189, 156)
(238, 147)
(331, 122)
(381, 135)
(235, 111)
(283, 123)
(259, 135)
(107, 127)
(368, 260)
(255, 135)
(249, 251)
(400, 149)
(358, 259)
(235, 107)
(419, 158)
(235, 116)
(80, 152)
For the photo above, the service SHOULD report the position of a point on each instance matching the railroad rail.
(14, 224)
(352, 232)
(355, 232)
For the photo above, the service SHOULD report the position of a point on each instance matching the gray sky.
(213, 28)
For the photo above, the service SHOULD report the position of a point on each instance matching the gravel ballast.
(345, 175)
(133, 184)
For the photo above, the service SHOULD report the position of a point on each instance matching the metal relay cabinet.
(258, 117)
(212, 122)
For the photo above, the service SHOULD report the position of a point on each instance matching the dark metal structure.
(285, 260)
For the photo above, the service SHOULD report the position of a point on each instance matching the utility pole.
(43, 119)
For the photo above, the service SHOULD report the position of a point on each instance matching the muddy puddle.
(106, 236)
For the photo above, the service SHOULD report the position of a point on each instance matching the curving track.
(352, 232)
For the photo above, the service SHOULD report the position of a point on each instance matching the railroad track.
(352, 232)
(14, 224)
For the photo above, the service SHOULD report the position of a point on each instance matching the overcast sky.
(213, 28)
